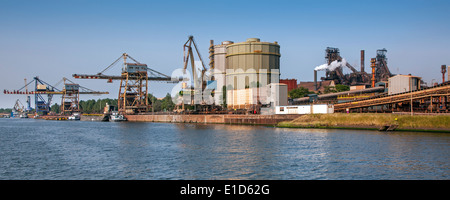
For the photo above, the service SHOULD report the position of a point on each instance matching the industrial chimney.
(443, 70)
(362, 60)
(315, 80)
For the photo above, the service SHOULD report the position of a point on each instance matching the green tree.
(342, 88)
(55, 108)
(5, 110)
(299, 92)
(167, 103)
(337, 88)
(156, 104)
(96, 106)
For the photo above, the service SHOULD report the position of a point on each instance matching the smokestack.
(211, 54)
(362, 60)
(443, 70)
(315, 80)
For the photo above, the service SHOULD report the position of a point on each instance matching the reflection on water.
(102, 150)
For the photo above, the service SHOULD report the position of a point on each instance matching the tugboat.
(116, 117)
(109, 114)
(74, 116)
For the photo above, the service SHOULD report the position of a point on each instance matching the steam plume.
(333, 65)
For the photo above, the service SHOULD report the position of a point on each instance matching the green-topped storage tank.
(252, 64)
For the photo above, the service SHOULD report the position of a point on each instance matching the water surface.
(40, 149)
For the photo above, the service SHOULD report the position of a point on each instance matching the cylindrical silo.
(220, 52)
(252, 63)
(250, 66)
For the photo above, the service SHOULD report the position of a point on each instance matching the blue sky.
(55, 39)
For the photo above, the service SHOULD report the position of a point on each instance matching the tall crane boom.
(153, 74)
(110, 77)
(189, 55)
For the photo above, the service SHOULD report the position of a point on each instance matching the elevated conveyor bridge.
(430, 100)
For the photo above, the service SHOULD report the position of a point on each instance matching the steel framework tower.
(70, 99)
(133, 89)
(382, 70)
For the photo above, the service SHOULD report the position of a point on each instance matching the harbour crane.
(133, 91)
(70, 95)
(18, 106)
(19, 110)
(42, 105)
(198, 97)
(189, 54)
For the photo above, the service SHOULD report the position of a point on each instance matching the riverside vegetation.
(371, 121)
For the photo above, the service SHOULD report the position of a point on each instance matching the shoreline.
(371, 128)
(351, 121)
(372, 121)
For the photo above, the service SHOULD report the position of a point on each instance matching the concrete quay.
(214, 119)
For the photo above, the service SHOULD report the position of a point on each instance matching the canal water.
(40, 149)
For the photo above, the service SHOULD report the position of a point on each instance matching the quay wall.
(214, 119)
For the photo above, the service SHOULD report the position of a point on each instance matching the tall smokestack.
(443, 70)
(362, 60)
(315, 80)
(211, 54)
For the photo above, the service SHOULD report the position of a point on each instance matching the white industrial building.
(403, 83)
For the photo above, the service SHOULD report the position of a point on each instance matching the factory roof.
(409, 75)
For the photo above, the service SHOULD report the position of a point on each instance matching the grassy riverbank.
(371, 121)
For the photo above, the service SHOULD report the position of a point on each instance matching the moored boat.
(116, 117)
(74, 116)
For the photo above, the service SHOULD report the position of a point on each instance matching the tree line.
(5, 110)
(303, 92)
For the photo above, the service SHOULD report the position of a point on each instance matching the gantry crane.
(133, 91)
(42, 105)
(70, 95)
(70, 101)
